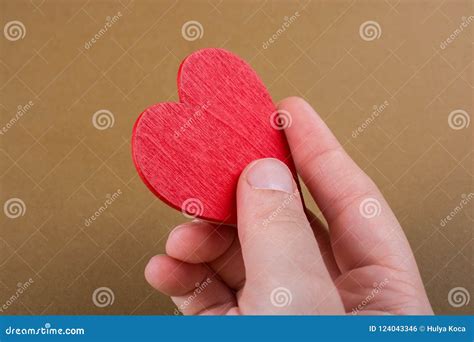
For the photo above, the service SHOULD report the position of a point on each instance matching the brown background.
(63, 168)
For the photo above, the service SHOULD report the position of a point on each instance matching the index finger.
(363, 229)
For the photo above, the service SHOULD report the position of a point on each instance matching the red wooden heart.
(190, 154)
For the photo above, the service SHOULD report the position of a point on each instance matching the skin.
(355, 265)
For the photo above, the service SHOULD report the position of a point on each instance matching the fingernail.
(270, 174)
(153, 258)
(175, 229)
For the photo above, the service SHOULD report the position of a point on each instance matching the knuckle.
(289, 215)
(322, 157)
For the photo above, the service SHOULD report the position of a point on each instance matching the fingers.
(173, 277)
(363, 229)
(193, 287)
(197, 242)
(218, 246)
(281, 255)
(230, 266)
(324, 243)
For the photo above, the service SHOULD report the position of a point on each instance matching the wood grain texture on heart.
(190, 154)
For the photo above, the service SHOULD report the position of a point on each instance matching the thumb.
(284, 270)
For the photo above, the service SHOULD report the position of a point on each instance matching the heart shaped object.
(190, 154)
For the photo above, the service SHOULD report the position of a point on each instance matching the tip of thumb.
(269, 174)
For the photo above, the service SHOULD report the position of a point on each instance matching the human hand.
(281, 259)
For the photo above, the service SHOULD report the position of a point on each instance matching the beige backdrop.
(58, 166)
